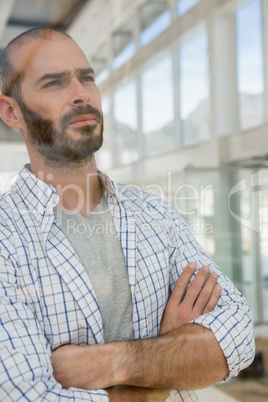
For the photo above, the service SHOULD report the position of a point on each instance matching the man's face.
(60, 102)
(52, 141)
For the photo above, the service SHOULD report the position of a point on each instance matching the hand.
(83, 366)
(123, 393)
(201, 297)
(66, 361)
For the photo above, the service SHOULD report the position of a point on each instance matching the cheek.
(46, 109)
(96, 98)
(49, 108)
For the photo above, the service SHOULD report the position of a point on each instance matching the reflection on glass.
(248, 262)
(264, 244)
(104, 155)
(185, 5)
(126, 54)
(158, 107)
(194, 89)
(124, 46)
(228, 213)
(196, 202)
(250, 63)
(252, 241)
(99, 62)
(102, 76)
(125, 123)
(155, 18)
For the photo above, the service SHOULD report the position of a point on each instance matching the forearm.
(185, 358)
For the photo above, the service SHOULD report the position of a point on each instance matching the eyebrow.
(79, 71)
(85, 71)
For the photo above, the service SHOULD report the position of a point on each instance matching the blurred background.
(184, 85)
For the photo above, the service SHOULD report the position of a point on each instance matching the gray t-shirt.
(94, 239)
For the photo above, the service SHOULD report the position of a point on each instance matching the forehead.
(42, 56)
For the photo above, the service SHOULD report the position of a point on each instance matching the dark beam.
(26, 23)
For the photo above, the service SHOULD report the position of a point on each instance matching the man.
(85, 317)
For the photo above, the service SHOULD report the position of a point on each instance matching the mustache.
(78, 111)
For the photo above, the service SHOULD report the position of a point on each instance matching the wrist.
(98, 366)
(120, 361)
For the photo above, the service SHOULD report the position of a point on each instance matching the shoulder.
(8, 227)
(6, 204)
(12, 207)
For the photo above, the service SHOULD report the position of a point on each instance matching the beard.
(55, 145)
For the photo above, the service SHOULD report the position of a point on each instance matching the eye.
(87, 78)
(52, 84)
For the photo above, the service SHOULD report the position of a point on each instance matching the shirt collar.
(108, 184)
(42, 198)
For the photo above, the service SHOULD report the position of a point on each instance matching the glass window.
(185, 5)
(125, 123)
(250, 64)
(195, 200)
(194, 89)
(158, 108)
(227, 211)
(248, 257)
(124, 46)
(251, 197)
(13, 155)
(155, 18)
(264, 244)
(99, 62)
(104, 155)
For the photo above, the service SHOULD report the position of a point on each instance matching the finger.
(206, 293)
(196, 286)
(216, 294)
(182, 283)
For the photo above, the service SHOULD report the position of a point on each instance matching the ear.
(10, 112)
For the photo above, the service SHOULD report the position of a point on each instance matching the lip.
(84, 120)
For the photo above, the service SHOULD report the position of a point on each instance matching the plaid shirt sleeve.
(231, 320)
(25, 368)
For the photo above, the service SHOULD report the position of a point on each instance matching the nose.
(79, 94)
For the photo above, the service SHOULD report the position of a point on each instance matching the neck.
(79, 189)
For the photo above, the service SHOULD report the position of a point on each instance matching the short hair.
(10, 79)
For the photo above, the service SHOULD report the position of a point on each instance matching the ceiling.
(16, 16)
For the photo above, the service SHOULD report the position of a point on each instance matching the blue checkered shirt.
(47, 300)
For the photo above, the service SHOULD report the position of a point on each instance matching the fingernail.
(214, 274)
(192, 265)
(207, 269)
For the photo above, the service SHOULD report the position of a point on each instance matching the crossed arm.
(183, 356)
